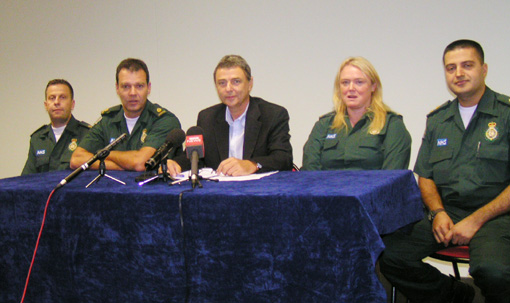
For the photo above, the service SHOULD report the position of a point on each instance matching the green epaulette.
(503, 99)
(392, 113)
(112, 110)
(39, 129)
(439, 108)
(84, 124)
(157, 110)
(327, 115)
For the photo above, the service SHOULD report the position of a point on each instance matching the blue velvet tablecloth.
(289, 237)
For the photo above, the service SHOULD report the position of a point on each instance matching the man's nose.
(459, 72)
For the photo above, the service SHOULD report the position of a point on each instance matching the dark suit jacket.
(266, 136)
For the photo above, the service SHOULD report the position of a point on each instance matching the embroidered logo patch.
(40, 152)
(331, 136)
(492, 132)
(442, 142)
(72, 146)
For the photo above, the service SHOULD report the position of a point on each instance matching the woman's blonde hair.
(377, 106)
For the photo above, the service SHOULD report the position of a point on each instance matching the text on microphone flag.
(194, 140)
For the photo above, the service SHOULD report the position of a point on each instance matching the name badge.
(442, 142)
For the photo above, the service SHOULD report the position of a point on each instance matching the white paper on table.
(209, 173)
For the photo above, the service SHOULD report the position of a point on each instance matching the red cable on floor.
(36, 245)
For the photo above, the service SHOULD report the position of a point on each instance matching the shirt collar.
(119, 117)
(486, 105)
(242, 118)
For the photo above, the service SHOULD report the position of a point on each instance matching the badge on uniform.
(492, 132)
(40, 152)
(331, 136)
(160, 111)
(144, 136)
(73, 145)
(442, 142)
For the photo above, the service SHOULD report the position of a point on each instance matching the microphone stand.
(150, 176)
(164, 170)
(155, 176)
(195, 180)
(102, 171)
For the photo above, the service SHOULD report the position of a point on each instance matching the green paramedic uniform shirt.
(356, 149)
(151, 129)
(469, 166)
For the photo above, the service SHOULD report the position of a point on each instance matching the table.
(289, 237)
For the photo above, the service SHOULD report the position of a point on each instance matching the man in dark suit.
(243, 134)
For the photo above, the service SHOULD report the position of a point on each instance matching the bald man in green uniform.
(52, 145)
(146, 124)
(464, 176)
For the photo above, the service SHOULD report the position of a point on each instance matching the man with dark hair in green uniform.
(147, 124)
(52, 145)
(464, 177)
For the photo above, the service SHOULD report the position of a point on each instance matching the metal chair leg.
(456, 270)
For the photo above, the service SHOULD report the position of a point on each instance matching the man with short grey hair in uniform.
(52, 145)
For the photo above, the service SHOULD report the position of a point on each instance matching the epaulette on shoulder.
(503, 99)
(392, 113)
(113, 109)
(39, 129)
(327, 115)
(85, 124)
(157, 110)
(439, 108)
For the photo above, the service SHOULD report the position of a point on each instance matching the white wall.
(294, 48)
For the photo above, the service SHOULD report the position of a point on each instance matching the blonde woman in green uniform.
(362, 133)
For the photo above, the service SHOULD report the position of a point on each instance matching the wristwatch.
(433, 213)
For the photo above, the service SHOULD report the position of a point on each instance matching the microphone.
(101, 154)
(194, 151)
(174, 138)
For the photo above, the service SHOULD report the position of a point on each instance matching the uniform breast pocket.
(440, 160)
(42, 162)
(370, 148)
(492, 161)
(330, 144)
(66, 156)
(371, 143)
